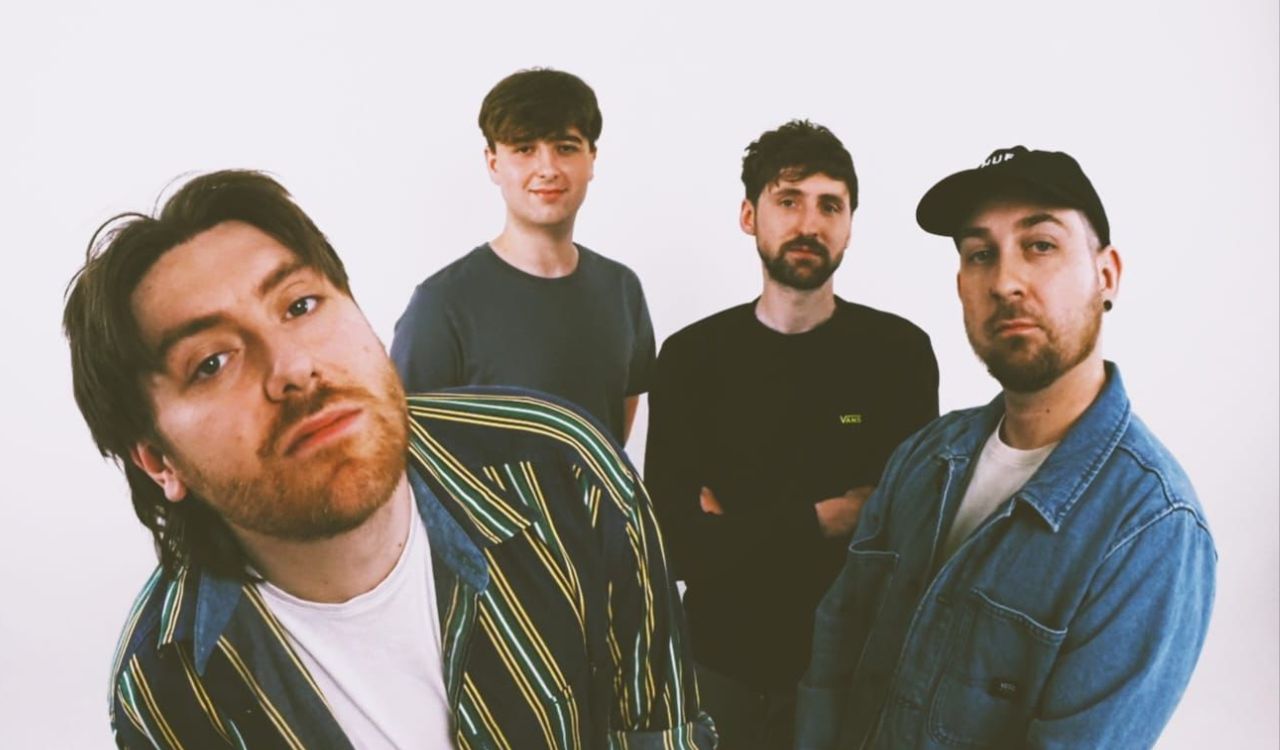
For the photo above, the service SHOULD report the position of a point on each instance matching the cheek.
(211, 433)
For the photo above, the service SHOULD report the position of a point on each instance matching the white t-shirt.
(1001, 471)
(377, 657)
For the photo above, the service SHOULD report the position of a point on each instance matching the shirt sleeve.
(427, 345)
(640, 371)
(1131, 648)
(657, 703)
(704, 546)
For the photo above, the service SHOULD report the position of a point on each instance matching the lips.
(1015, 326)
(320, 429)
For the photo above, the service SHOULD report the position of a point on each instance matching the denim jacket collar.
(1056, 486)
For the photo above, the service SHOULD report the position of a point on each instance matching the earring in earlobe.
(1106, 305)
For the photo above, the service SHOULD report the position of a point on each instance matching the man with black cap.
(1036, 572)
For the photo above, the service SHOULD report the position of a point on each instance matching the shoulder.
(483, 425)
(1152, 478)
(698, 334)
(468, 270)
(879, 324)
(608, 275)
(138, 650)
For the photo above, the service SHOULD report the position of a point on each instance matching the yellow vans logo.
(850, 419)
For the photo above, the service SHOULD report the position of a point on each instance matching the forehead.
(815, 184)
(209, 273)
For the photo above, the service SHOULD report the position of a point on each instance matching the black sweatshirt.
(773, 423)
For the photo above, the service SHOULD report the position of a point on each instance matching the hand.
(837, 516)
(708, 502)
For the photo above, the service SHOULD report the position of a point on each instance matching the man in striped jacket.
(341, 566)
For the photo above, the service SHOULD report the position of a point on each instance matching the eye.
(979, 256)
(568, 148)
(787, 202)
(210, 366)
(302, 306)
(523, 148)
(1042, 246)
(830, 208)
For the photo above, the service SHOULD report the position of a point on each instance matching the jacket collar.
(1064, 476)
(199, 606)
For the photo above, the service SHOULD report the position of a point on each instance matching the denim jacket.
(1072, 617)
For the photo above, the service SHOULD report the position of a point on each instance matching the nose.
(1010, 276)
(291, 369)
(547, 159)
(811, 221)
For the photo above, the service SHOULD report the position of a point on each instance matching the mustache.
(295, 410)
(812, 244)
(1006, 311)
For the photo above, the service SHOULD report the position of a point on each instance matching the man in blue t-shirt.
(531, 307)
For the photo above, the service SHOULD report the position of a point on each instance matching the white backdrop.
(369, 118)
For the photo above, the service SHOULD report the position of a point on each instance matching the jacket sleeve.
(657, 703)
(427, 345)
(1133, 643)
(823, 692)
(704, 546)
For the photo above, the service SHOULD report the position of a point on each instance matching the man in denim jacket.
(1036, 572)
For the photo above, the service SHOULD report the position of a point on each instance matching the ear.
(151, 459)
(491, 163)
(591, 169)
(1109, 268)
(747, 218)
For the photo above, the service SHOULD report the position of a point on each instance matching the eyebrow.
(269, 283)
(790, 192)
(1025, 222)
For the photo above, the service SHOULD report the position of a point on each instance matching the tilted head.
(801, 191)
(1037, 268)
(217, 354)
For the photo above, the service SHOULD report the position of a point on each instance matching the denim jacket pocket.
(998, 661)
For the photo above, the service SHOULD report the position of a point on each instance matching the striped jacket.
(561, 625)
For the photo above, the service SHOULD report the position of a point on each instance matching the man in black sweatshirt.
(769, 425)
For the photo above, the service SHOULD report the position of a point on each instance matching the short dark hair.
(539, 103)
(109, 357)
(793, 152)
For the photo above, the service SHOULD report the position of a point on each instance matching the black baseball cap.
(1043, 175)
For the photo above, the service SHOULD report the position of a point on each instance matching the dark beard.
(799, 276)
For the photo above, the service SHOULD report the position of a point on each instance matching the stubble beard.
(1021, 365)
(331, 491)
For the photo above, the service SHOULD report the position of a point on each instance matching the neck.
(548, 252)
(339, 568)
(788, 310)
(1033, 420)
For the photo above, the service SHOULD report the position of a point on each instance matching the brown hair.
(539, 103)
(793, 152)
(109, 357)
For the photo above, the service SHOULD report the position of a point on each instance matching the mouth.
(548, 193)
(1015, 326)
(807, 249)
(322, 429)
